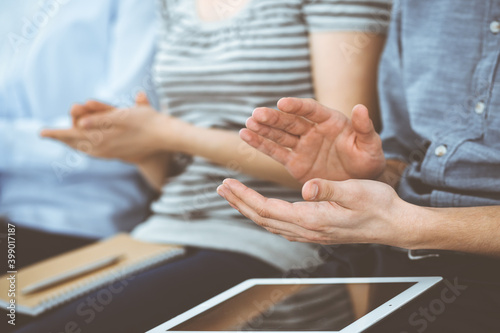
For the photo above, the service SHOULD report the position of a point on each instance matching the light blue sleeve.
(21, 146)
(132, 49)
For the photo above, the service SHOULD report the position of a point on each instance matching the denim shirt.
(439, 86)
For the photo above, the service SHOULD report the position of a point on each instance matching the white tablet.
(300, 305)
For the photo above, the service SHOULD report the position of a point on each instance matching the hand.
(353, 211)
(313, 141)
(131, 135)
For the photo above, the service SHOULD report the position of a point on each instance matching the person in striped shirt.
(217, 61)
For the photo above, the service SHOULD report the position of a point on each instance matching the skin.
(342, 210)
(313, 141)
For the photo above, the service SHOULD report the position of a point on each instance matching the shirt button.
(441, 150)
(480, 106)
(495, 27)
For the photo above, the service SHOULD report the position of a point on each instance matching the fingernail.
(220, 191)
(314, 191)
(244, 135)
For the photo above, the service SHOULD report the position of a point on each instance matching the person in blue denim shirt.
(430, 181)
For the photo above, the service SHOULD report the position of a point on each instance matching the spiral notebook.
(130, 257)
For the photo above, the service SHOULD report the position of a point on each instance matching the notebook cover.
(136, 256)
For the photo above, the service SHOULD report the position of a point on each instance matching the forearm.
(225, 148)
(155, 169)
(343, 80)
(472, 230)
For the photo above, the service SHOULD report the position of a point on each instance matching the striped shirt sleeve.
(347, 15)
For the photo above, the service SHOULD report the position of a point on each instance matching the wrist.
(407, 225)
(417, 224)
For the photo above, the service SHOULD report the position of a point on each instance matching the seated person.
(212, 68)
(431, 181)
(54, 54)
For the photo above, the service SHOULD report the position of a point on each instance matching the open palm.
(313, 141)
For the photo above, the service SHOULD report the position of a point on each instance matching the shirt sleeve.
(131, 51)
(23, 149)
(371, 16)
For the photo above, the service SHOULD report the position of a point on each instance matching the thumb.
(325, 190)
(363, 126)
(142, 99)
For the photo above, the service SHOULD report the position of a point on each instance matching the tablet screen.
(295, 307)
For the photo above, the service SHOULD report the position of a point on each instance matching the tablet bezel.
(421, 285)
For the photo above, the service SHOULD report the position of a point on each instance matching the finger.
(98, 122)
(305, 107)
(289, 123)
(142, 99)
(62, 134)
(302, 221)
(363, 126)
(283, 233)
(280, 137)
(298, 239)
(274, 209)
(79, 110)
(90, 107)
(70, 140)
(342, 193)
(99, 106)
(266, 146)
(263, 211)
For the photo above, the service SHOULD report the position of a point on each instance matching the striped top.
(213, 74)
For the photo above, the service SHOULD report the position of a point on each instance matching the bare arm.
(473, 230)
(225, 148)
(155, 169)
(343, 80)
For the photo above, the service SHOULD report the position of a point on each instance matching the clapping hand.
(313, 141)
(353, 211)
(129, 134)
